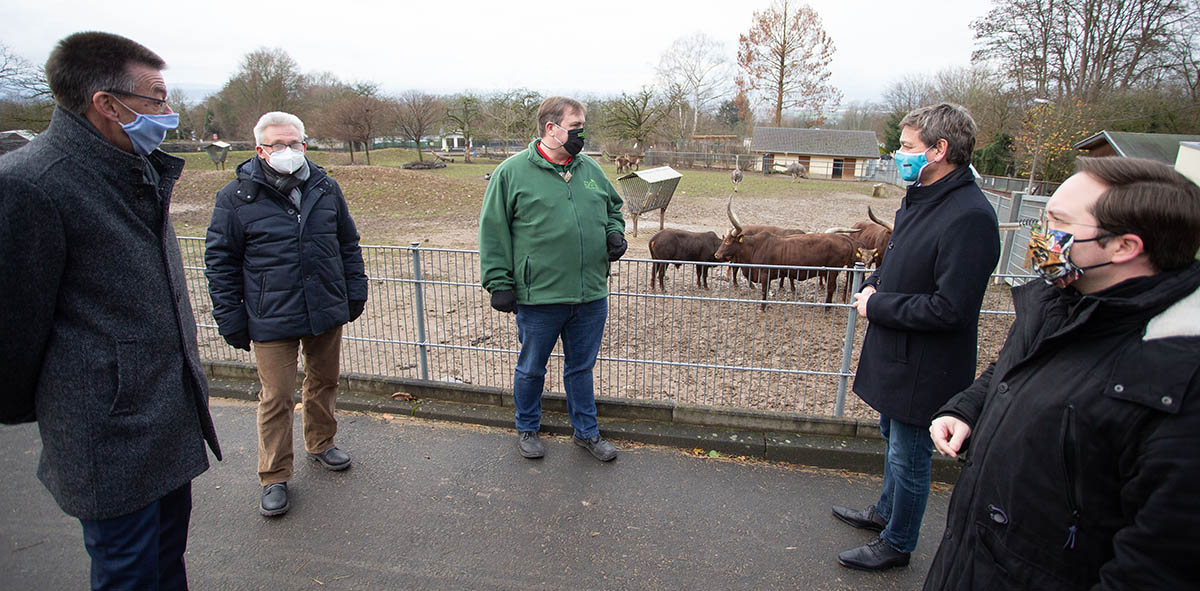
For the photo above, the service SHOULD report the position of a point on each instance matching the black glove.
(356, 309)
(504, 300)
(616, 246)
(238, 340)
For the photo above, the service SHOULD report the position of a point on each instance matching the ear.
(106, 107)
(942, 146)
(1128, 247)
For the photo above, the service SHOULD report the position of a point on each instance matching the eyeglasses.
(297, 146)
(160, 103)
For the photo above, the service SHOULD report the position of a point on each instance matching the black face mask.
(575, 139)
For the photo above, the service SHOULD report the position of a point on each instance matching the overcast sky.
(598, 47)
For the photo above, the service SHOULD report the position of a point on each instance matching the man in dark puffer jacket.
(284, 269)
(1083, 466)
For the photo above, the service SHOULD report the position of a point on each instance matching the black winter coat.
(920, 347)
(1083, 464)
(96, 328)
(277, 272)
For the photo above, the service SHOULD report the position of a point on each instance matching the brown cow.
(681, 245)
(874, 234)
(755, 229)
(803, 250)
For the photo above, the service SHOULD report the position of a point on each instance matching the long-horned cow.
(802, 250)
(755, 229)
(873, 235)
(680, 245)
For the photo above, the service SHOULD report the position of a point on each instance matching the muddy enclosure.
(715, 347)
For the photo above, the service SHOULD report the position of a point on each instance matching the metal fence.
(428, 318)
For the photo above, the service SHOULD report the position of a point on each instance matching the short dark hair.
(85, 63)
(1151, 200)
(553, 109)
(945, 121)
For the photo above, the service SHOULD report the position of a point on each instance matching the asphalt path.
(439, 505)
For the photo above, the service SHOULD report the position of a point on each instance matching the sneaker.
(274, 500)
(529, 444)
(332, 458)
(602, 450)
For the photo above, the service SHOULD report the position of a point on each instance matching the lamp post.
(1038, 147)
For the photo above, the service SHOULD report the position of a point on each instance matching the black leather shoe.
(274, 500)
(876, 555)
(866, 519)
(332, 458)
(599, 448)
(529, 444)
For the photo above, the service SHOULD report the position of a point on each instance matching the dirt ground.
(713, 347)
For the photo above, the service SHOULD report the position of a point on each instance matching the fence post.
(848, 346)
(1014, 215)
(422, 348)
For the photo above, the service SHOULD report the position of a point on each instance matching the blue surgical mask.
(910, 165)
(146, 132)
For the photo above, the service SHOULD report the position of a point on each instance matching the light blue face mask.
(910, 165)
(146, 132)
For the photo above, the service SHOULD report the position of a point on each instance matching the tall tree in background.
(25, 100)
(418, 114)
(697, 67)
(358, 119)
(511, 113)
(462, 115)
(1078, 49)
(785, 58)
(636, 116)
(267, 80)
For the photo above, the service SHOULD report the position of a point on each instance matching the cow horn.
(843, 230)
(733, 219)
(871, 214)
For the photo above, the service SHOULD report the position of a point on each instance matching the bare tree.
(785, 57)
(267, 80)
(357, 119)
(20, 79)
(697, 66)
(511, 115)
(417, 114)
(636, 117)
(1068, 49)
(463, 114)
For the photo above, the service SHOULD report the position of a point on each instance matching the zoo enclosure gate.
(428, 318)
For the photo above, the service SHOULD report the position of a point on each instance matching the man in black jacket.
(1083, 470)
(923, 305)
(284, 269)
(97, 336)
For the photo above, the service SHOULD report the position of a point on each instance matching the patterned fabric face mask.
(1050, 254)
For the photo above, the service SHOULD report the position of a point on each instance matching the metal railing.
(428, 318)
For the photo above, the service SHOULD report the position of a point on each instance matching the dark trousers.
(144, 549)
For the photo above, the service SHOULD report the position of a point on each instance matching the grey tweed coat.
(97, 336)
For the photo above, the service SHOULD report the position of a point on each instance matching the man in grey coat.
(97, 336)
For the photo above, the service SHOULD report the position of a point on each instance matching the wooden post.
(662, 215)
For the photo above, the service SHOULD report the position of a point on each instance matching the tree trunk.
(367, 149)
(467, 147)
(351, 146)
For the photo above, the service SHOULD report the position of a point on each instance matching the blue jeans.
(581, 327)
(144, 549)
(905, 482)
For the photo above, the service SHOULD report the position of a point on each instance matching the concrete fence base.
(841, 443)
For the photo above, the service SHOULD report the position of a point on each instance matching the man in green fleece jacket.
(550, 227)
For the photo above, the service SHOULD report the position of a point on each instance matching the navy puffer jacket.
(277, 272)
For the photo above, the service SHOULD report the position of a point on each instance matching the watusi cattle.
(802, 250)
(755, 229)
(681, 245)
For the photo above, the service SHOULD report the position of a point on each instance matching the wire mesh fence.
(428, 318)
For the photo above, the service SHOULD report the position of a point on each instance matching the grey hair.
(277, 118)
(945, 121)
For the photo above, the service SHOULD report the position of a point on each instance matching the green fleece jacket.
(543, 234)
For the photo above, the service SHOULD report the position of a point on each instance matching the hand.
(356, 309)
(616, 246)
(860, 300)
(504, 301)
(238, 340)
(948, 434)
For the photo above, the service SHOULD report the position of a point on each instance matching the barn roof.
(1163, 147)
(818, 142)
